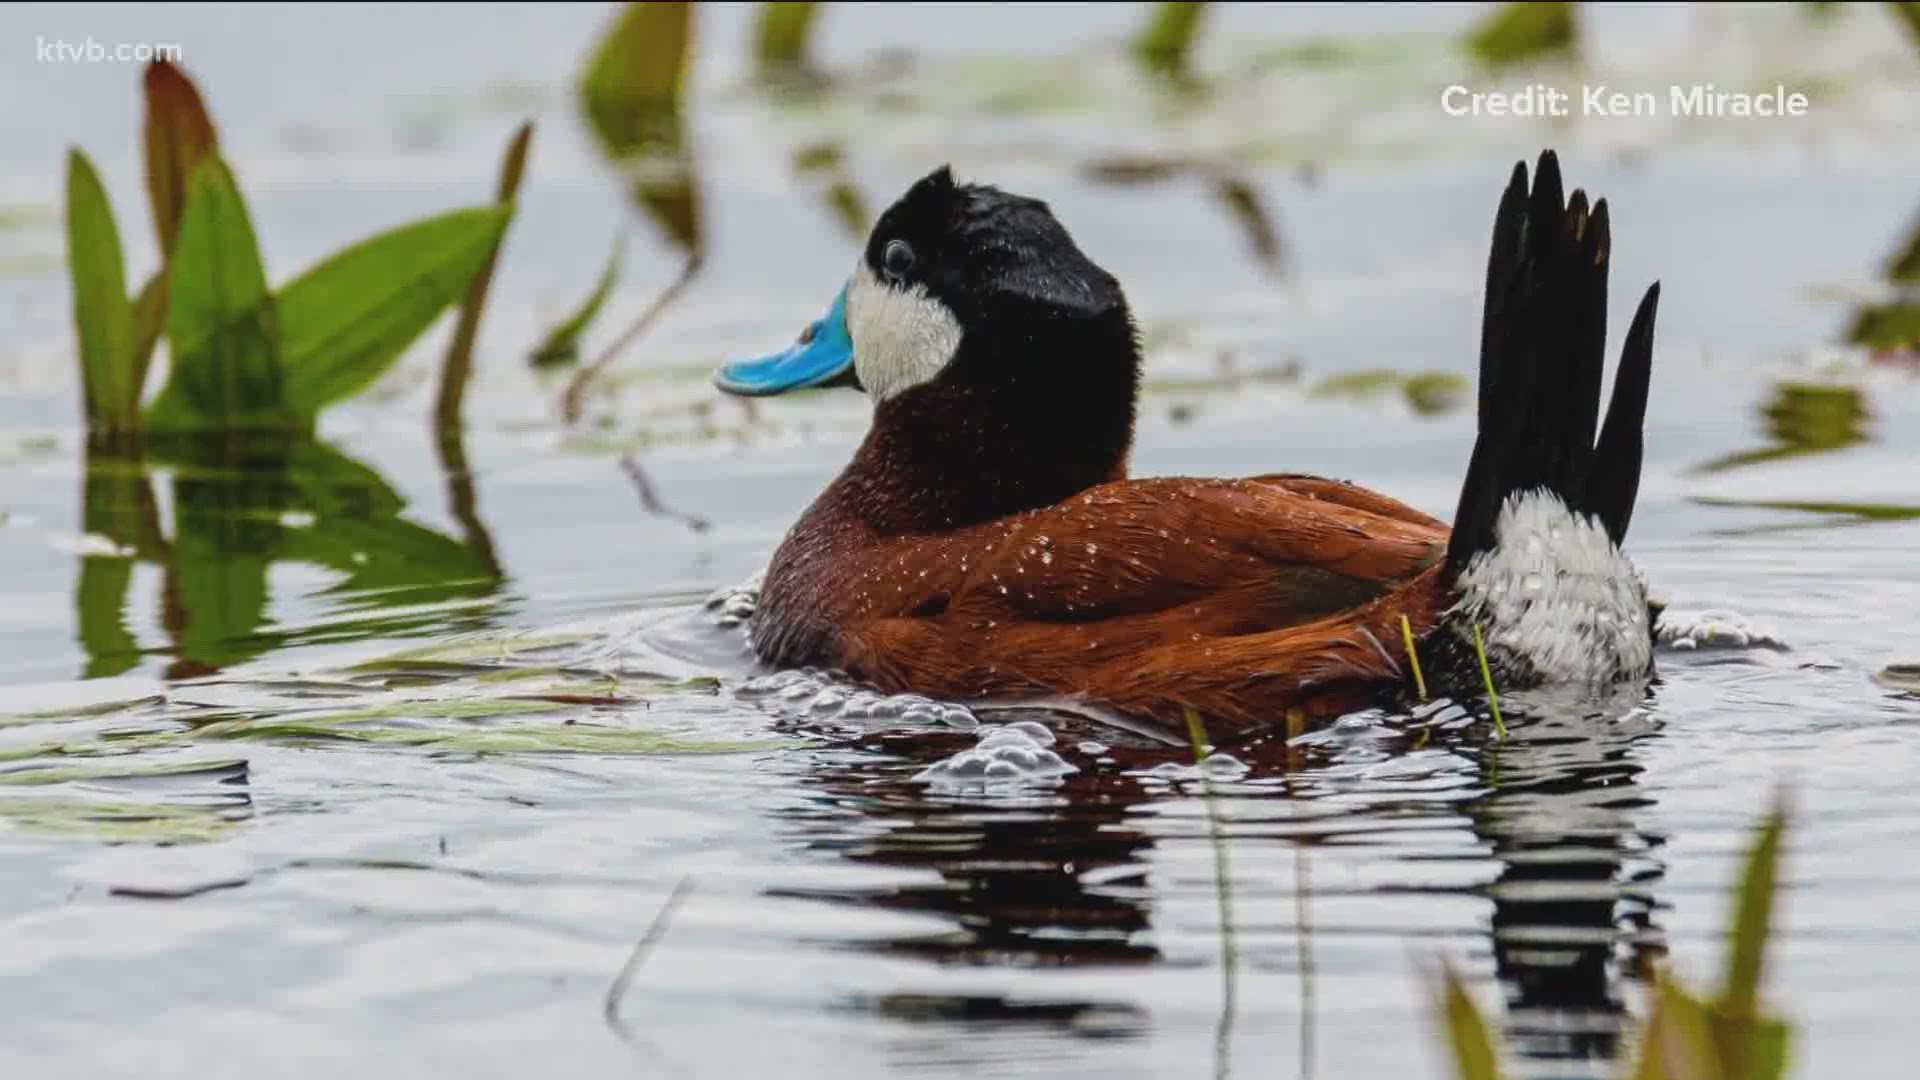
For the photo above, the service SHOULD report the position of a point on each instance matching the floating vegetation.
(1804, 419)
(1902, 677)
(1895, 324)
(1428, 393)
(119, 822)
(1856, 512)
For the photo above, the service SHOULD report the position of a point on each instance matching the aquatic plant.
(631, 93)
(781, 37)
(458, 365)
(561, 346)
(1165, 43)
(244, 355)
(1686, 1037)
(1907, 13)
(1515, 33)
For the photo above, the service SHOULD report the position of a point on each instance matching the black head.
(965, 281)
(1002, 362)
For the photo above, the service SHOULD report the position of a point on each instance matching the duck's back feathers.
(1102, 589)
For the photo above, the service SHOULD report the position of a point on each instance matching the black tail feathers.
(1542, 350)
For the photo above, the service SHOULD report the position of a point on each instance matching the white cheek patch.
(901, 338)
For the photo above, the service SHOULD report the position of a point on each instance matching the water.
(370, 759)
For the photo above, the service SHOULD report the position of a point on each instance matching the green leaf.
(634, 79)
(1752, 919)
(1752, 1046)
(226, 369)
(1167, 40)
(179, 136)
(346, 320)
(781, 34)
(1749, 1048)
(103, 319)
(1467, 1033)
(631, 95)
(1679, 1042)
(149, 322)
(562, 345)
(1514, 33)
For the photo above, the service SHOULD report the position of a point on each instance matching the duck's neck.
(944, 456)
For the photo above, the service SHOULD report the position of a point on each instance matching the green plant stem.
(572, 402)
(1493, 696)
(458, 366)
(1413, 655)
(1223, 887)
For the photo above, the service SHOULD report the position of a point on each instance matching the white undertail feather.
(901, 337)
(1555, 598)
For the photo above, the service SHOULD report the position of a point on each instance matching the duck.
(987, 541)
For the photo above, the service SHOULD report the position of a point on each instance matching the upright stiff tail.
(1544, 509)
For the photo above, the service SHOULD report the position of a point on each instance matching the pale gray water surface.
(381, 767)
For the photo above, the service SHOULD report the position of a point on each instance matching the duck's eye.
(897, 260)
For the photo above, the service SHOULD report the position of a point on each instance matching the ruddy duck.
(986, 540)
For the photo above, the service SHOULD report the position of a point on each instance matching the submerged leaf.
(349, 318)
(179, 136)
(103, 319)
(562, 345)
(226, 368)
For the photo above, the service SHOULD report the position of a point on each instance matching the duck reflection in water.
(1574, 908)
(1063, 877)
